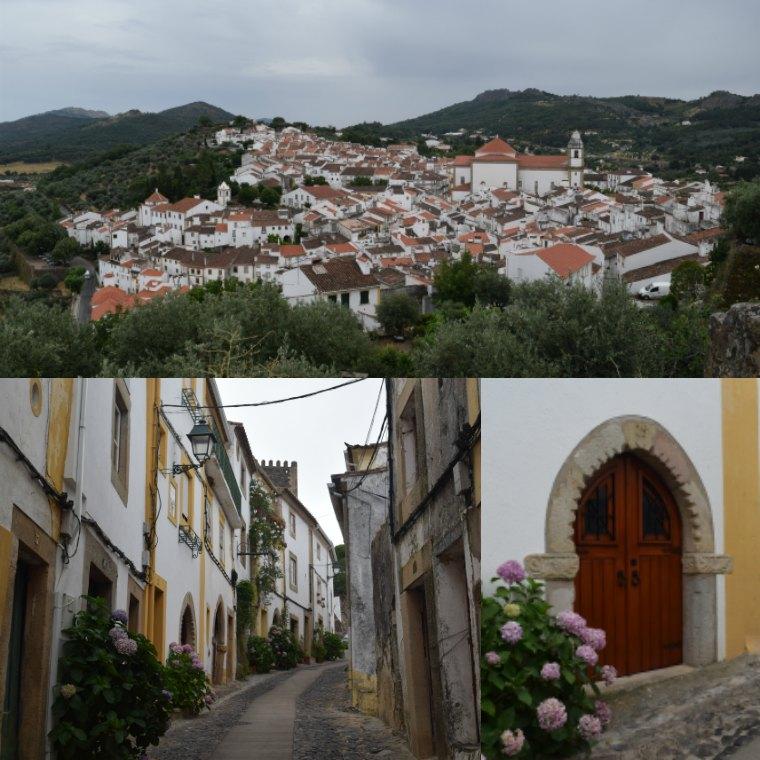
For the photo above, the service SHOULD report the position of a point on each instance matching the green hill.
(71, 134)
(723, 125)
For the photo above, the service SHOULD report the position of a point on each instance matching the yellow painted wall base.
(741, 497)
(363, 692)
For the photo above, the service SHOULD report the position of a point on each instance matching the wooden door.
(628, 538)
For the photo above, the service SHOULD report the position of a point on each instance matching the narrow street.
(296, 715)
(711, 712)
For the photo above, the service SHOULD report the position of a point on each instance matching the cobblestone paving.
(197, 738)
(712, 712)
(329, 728)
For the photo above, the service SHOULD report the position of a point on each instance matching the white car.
(654, 290)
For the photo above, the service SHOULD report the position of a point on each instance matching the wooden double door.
(628, 539)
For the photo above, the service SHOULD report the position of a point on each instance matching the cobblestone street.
(327, 726)
(303, 714)
(712, 712)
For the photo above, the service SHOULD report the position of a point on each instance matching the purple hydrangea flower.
(589, 727)
(512, 742)
(125, 646)
(571, 622)
(609, 674)
(595, 638)
(166, 694)
(587, 654)
(197, 663)
(550, 671)
(117, 633)
(511, 571)
(603, 712)
(551, 714)
(511, 632)
(187, 649)
(492, 658)
(120, 616)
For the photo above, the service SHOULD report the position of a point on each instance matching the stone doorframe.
(650, 441)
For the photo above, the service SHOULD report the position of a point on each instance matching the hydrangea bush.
(111, 699)
(286, 650)
(260, 654)
(538, 674)
(186, 680)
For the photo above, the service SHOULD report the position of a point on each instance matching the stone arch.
(219, 643)
(188, 628)
(654, 444)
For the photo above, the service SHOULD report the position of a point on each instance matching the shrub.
(260, 654)
(186, 680)
(111, 699)
(44, 282)
(538, 673)
(397, 311)
(318, 650)
(287, 653)
(334, 646)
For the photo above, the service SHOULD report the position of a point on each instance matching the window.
(364, 296)
(319, 551)
(243, 544)
(187, 495)
(207, 518)
(120, 439)
(408, 430)
(332, 298)
(292, 521)
(293, 571)
(221, 542)
(344, 297)
(173, 502)
(162, 446)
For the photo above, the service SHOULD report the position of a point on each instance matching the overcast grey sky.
(312, 431)
(342, 61)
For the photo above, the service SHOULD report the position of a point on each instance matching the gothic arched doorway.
(187, 624)
(219, 646)
(629, 582)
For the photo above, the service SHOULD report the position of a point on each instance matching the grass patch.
(740, 279)
(22, 167)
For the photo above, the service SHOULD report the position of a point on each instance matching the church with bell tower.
(498, 165)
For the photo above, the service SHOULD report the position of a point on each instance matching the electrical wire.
(372, 458)
(374, 412)
(272, 401)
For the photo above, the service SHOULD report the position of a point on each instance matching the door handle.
(621, 579)
(635, 580)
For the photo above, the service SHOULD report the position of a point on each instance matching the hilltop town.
(350, 222)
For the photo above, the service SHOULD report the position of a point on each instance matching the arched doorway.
(187, 623)
(629, 582)
(653, 445)
(219, 646)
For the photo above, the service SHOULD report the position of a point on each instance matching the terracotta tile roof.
(497, 145)
(338, 274)
(542, 162)
(635, 246)
(564, 258)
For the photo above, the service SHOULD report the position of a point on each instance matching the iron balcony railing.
(219, 451)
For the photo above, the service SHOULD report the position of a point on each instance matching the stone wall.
(735, 342)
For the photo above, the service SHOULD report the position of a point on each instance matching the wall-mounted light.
(202, 440)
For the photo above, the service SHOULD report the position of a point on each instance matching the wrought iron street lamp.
(202, 440)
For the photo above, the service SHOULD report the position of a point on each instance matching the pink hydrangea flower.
(571, 622)
(550, 671)
(512, 742)
(120, 616)
(587, 654)
(511, 571)
(595, 638)
(125, 646)
(603, 712)
(589, 727)
(117, 633)
(175, 648)
(609, 674)
(551, 714)
(492, 658)
(511, 632)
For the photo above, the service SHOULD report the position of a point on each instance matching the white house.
(339, 280)
(570, 262)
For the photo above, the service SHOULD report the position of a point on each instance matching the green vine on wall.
(265, 541)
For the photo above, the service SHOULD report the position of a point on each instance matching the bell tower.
(576, 159)
(223, 194)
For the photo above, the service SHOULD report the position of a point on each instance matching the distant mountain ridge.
(714, 129)
(70, 134)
